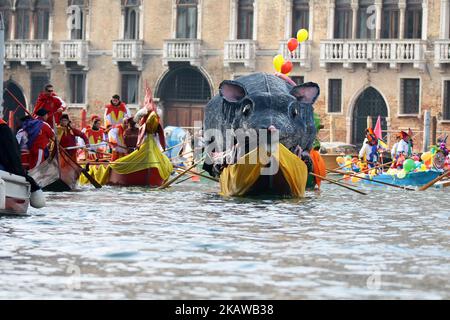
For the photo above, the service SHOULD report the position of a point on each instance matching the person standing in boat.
(131, 134)
(96, 135)
(67, 136)
(116, 112)
(369, 151)
(55, 106)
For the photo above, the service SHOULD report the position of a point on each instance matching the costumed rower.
(115, 114)
(369, 151)
(404, 149)
(54, 105)
(10, 162)
(131, 134)
(39, 133)
(96, 135)
(67, 136)
(22, 140)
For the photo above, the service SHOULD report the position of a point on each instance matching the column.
(355, 7)
(379, 7)
(402, 7)
(425, 20)
(288, 26)
(331, 8)
(444, 30)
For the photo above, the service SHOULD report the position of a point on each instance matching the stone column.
(379, 7)
(355, 7)
(425, 20)
(444, 30)
(402, 7)
(331, 9)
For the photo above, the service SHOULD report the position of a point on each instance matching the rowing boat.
(415, 179)
(15, 194)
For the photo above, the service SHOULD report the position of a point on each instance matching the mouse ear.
(307, 92)
(232, 91)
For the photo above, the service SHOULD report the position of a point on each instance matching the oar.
(374, 168)
(367, 179)
(338, 183)
(168, 183)
(432, 183)
(201, 175)
(84, 147)
(83, 170)
(186, 179)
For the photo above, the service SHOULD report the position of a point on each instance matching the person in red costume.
(67, 136)
(39, 134)
(54, 105)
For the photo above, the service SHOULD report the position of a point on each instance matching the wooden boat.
(144, 178)
(57, 174)
(415, 179)
(247, 178)
(15, 194)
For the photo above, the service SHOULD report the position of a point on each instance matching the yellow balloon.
(302, 35)
(278, 62)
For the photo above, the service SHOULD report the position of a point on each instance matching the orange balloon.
(292, 44)
(287, 67)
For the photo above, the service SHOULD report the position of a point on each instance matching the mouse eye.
(247, 110)
(294, 112)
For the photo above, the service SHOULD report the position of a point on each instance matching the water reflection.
(189, 243)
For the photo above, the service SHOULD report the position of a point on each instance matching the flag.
(377, 130)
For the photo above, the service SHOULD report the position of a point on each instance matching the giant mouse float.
(262, 101)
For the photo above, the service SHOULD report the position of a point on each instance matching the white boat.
(15, 193)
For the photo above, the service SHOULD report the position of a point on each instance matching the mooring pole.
(2, 60)
(426, 130)
(433, 130)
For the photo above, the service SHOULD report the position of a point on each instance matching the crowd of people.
(50, 125)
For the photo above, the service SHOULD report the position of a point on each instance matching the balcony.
(26, 51)
(74, 51)
(240, 51)
(373, 52)
(441, 53)
(300, 56)
(128, 51)
(182, 50)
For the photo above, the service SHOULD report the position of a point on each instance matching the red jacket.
(67, 138)
(50, 103)
(43, 138)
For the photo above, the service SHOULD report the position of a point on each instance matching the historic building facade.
(370, 57)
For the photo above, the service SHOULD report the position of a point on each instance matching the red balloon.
(287, 67)
(292, 44)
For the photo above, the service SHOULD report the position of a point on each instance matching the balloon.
(409, 165)
(278, 62)
(302, 35)
(426, 157)
(340, 160)
(423, 168)
(355, 179)
(287, 67)
(401, 174)
(292, 44)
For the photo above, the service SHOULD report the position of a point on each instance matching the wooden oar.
(338, 183)
(201, 175)
(432, 183)
(186, 179)
(170, 182)
(374, 168)
(367, 179)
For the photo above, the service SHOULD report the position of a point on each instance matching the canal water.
(189, 243)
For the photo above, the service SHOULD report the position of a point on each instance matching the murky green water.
(189, 243)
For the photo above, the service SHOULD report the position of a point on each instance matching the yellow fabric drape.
(237, 180)
(148, 156)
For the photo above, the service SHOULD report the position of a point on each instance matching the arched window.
(131, 12)
(23, 19)
(245, 19)
(187, 19)
(390, 19)
(300, 16)
(5, 9)
(413, 20)
(77, 12)
(343, 20)
(185, 84)
(42, 19)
